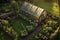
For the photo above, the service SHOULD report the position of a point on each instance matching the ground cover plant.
(20, 29)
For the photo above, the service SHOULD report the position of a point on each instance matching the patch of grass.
(21, 26)
(46, 5)
(51, 7)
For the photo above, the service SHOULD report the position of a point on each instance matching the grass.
(22, 26)
(45, 5)
(49, 7)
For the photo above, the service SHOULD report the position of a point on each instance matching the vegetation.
(19, 29)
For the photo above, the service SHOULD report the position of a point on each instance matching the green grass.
(45, 5)
(49, 7)
(22, 26)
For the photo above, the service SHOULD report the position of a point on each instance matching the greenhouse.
(37, 14)
(30, 20)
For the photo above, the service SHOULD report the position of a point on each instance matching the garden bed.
(47, 29)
